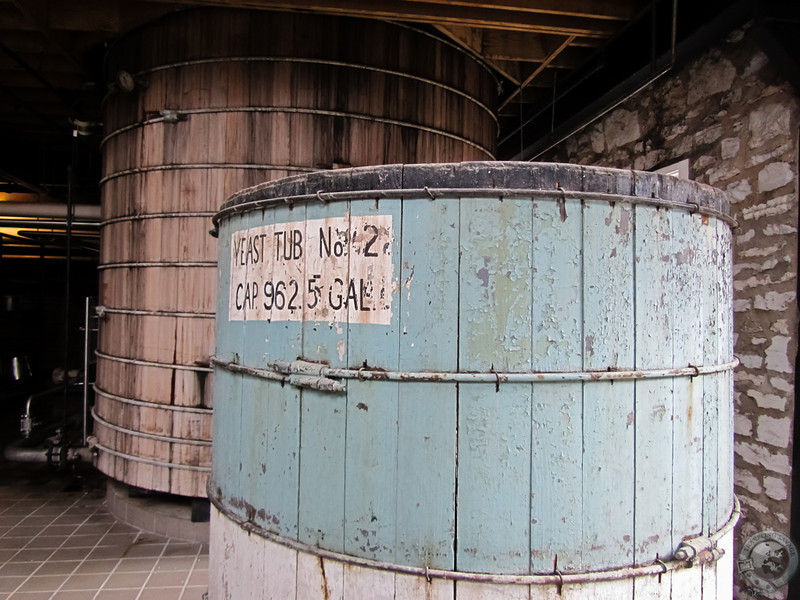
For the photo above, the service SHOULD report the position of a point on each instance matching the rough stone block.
(710, 76)
(751, 361)
(781, 384)
(777, 355)
(622, 127)
(742, 425)
(772, 207)
(748, 481)
(779, 229)
(708, 135)
(775, 432)
(775, 301)
(775, 488)
(729, 148)
(758, 454)
(767, 400)
(768, 121)
(774, 175)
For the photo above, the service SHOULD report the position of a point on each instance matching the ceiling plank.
(435, 14)
(36, 11)
(88, 15)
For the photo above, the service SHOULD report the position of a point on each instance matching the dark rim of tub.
(554, 181)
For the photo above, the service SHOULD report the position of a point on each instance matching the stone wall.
(730, 113)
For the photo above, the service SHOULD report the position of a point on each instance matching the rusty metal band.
(657, 567)
(281, 371)
(150, 461)
(329, 63)
(179, 167)
(153, 264)
(298, 111)
(152, 363)
(103, 310)
(150, 436)
(167, 215)
(438, 193)
(134, 402)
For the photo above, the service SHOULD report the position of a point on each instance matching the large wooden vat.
(484, 380)
(222, 100)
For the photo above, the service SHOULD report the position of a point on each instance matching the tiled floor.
(64, 545)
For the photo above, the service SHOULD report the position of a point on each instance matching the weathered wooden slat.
(427, 427)
(713, 343)
(467, 590)
(725, 497)
(275, 420)
(318, 577)
(688, 331)
(324, 415)
(493, 504)
(609, 417)
(410, 588)
(653, 420)
(372, 406)
(556, 414)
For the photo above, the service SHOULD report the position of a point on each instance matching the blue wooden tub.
(474, 379)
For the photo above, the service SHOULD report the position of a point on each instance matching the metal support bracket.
(306, 374)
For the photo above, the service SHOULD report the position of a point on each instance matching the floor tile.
(175, 563)
(194, 592)
(144, 550)
(198, 577)
(56, 567)
(31, 596)
(36, 554)
(43, 583)
(47, 541)
(122, 579)
(72, 595)
(97, 566)
(20, 569)
(167, 579)
(85, 581)
(173, 593)
(9, 584)
(137, 564)
(118, 595)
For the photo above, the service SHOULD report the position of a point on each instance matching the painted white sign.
(337, 269)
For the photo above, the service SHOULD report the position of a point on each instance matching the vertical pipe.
(86, 325)
(68, 276)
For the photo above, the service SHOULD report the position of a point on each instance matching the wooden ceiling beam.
(616, 10)
(541, 67)
(435, 14)
(470, 39)
(530, 47)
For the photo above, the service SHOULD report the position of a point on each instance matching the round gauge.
(125, 81)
